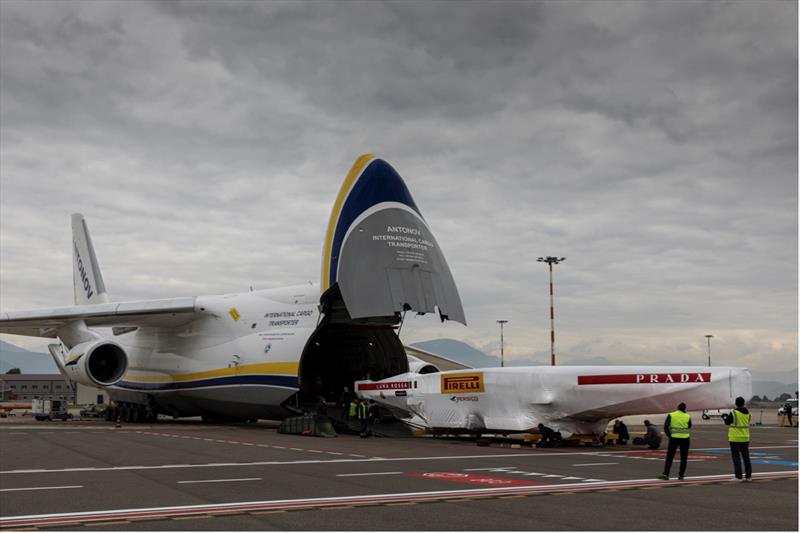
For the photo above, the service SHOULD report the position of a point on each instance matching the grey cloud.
(652, 143)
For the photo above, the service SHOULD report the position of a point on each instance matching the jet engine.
(418, 366)
(96, 363)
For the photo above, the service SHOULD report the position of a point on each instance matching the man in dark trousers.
(622, 432)
(677, 426)
(549, 437)
(787, 409)
(344, 400)
(738, 422)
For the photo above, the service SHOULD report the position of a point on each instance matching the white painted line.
(19, 521)
(516, 456)
(369, 474)
(43, 488)
(222, 480)
(595, 464)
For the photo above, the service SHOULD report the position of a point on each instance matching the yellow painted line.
(336, 508)
(192, 517)
(108, 523)
(355, 171)
(288, 368)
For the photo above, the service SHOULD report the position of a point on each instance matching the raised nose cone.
(381, 252)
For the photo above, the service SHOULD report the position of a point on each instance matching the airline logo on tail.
(87, 285)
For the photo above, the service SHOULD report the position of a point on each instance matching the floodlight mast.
(550, 260)
(709, 337)
(502, 359)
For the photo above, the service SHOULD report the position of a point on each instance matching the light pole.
(550, 262)
(709, 337)
(502, 359)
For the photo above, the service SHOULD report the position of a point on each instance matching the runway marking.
(222, 480)
(42, 488)
(385, 498)
(595, 464)
(369, 474)
(362, 459)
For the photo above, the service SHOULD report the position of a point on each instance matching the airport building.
(36, 386)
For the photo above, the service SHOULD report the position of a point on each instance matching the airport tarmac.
(178, 475)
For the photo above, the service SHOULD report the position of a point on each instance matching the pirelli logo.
(472, 382)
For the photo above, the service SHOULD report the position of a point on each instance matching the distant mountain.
(28, 362)
(773, 389)
(459, 351)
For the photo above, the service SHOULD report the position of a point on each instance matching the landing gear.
(132, 413)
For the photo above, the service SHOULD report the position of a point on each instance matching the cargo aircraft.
(264, 353)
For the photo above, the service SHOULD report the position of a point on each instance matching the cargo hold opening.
(342, 351)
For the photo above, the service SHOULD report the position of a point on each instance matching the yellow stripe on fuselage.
(355, 171)
(280, 369)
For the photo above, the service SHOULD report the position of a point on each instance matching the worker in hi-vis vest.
(738, 422)
(677, 426)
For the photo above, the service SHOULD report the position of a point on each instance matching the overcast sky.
(654, 144)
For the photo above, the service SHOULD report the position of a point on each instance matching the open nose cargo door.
(381, 253)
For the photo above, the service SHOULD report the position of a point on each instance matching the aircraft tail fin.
(86, 277)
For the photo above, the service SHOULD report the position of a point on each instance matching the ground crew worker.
(351, 413)
(652, 438)
(362, 414)
(344, 399)
(677, 426)
(738, 421)
(787, 409)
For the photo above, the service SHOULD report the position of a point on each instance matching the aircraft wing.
(45, 322)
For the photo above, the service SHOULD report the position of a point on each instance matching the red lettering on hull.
(672, 377)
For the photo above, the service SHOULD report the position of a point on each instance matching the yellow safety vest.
(353, 407)
(679, 424)
(739, 430)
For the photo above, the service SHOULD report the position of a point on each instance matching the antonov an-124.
(264, 354)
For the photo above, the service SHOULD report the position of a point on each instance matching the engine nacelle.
(97, 363)
(418, 366)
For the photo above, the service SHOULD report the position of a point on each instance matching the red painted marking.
(391, 385)
(674, 377)
(476, 479)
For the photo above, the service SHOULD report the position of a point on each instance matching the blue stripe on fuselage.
(263, 379)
